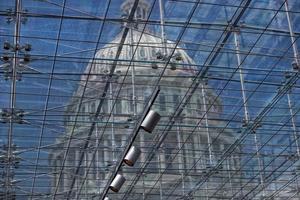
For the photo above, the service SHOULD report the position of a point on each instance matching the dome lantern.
(142, 10)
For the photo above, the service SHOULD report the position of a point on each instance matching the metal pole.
(134, 96)
(133, 73)
(296, 58)
(180, 160)
(85, 173)
(144, 190)
(206, 190)
(237, 49)
(292, 35)
(180, 156)
(260, 165)
(229, 175)
(8, 174)
(97, 156)
(246, 113)
(183, 184)
(162, 28)
(160, 181)
(206, 124)
(113, 141)
(77, 154)
(295, 51)
(293, 124)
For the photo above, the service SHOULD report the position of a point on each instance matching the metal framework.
(228, 73)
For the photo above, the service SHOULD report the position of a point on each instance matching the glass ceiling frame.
(54, 82)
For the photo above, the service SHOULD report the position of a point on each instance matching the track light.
(150, 121)
(132, 156)
(117, 183)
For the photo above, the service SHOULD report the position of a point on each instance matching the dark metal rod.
(131, 140)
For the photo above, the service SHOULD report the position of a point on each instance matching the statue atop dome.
(142, 10)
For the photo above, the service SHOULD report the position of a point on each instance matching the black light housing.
(295, 65)
(159, 55)
(173, 66)
(5, 58)
(6, 45)
(26, 58)
(154, 66)
(178, 57)
(27, 47)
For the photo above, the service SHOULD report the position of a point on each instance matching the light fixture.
(106, 198)
(159, 55)
(154, 66)
(178, 57)
(150, 121)
(295, 65)
(172, 66)
(117, 183)
(5, 58)
(124, 16)
(17, 47)
(26, 58)
(132, 156)
(27, 47)
(6, 45)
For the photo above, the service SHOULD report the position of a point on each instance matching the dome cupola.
(142, 10)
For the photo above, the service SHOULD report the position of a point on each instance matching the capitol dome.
(145, 56)
(149, 58)
(117, 93)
